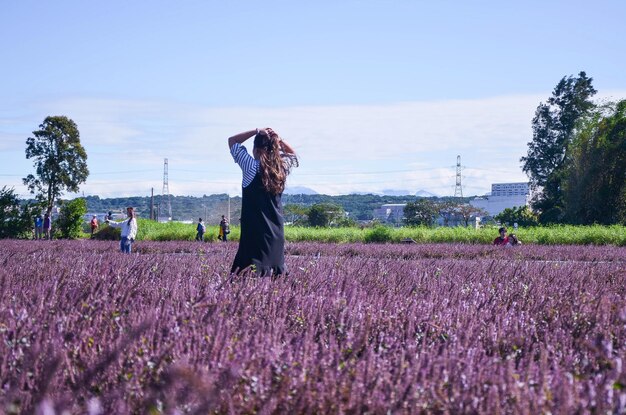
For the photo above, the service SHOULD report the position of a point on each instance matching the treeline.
(358, 207)
(210, 208)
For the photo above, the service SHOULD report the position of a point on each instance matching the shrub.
(107, 233)
(378, 234)
(70, 221)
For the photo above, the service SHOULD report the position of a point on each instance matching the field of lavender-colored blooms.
(353, 328)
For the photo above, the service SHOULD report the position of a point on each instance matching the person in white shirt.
(129, 230)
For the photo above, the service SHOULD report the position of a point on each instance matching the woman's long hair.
(276, 160)
(132, 215)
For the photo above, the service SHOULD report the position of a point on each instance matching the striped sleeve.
(248, 164)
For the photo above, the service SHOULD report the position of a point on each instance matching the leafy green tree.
(521, 215)
(346, 221)
(295, 214)
(70, 221)
(422, 212)
(596, 181)
(554, 128)
(324, 214)
(16, 218)
(60, 160)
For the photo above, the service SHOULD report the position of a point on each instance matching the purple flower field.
(352, 329)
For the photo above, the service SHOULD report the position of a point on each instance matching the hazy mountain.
(425, 193)
(393, 192)
(363, 193)
(299, 190)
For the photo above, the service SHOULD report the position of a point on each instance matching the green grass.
(174, 231)
(552, 235)
(548, 235)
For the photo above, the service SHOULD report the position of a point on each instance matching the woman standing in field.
(262, 241)
(129, 230)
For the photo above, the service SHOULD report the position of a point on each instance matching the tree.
(60, 160)
(16, 218)
(295, 214)
(448, 210)
(467, 212)
(70, 221)
(324, 214)
(596, 180)
(422, 212)
(554, 127)
(521, 215)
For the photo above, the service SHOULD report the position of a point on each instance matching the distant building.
(510, 189)
(390, 213)
(502, 196)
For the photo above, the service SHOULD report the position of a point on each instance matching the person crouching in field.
(502, 239)
(513, 240)
(262, 240)
(129, 230)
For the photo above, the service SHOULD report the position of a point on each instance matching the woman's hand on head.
(286, 148)
(270, 133)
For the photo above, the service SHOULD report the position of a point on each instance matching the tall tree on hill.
(60, 160)
(554, 128)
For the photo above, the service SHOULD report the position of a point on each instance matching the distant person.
(39, 227)
(94, 225)
(262, 240)
(128, 228)
(513, 240)
(224, 229)
(47, 227)
(502, 239)
(200, 230)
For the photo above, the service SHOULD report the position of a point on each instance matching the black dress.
(262, 241)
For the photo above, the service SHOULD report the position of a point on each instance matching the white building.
(391, 212)
(503, 195)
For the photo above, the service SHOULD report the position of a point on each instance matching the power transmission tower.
(165, 199)
(458, 189)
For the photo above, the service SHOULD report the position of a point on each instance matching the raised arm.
(241, 137)
(113, 224)
(286, 147)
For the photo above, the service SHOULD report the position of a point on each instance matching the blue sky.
(373, 95)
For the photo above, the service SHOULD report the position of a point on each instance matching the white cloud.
(362, 148)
